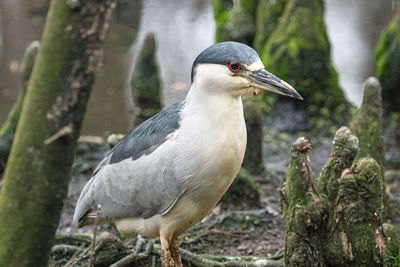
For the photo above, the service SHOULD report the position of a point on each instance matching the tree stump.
(338, 222)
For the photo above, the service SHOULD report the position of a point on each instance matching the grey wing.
(132, 182)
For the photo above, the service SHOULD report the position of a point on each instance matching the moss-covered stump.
(302, 210)
(145, 82)
(8, 128)
(366, 123)
(355, 234)
(345, 146)
(298, 51)
(338, 222)
(236, 20)
(387, 62)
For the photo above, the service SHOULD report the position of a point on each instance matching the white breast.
(211, 146)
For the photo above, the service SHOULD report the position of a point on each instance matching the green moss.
(364, 244)
(302, 210)
(392, 245)
(358, 215)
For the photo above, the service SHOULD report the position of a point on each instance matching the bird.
(170, 171)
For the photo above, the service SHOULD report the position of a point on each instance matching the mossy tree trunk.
(298, 51)
(387, 62)
(338, 222)
(8, 128)
(268, 14)
(38, 169)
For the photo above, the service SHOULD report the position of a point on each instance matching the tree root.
(110, 251)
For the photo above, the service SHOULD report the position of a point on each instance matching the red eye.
(234, 66)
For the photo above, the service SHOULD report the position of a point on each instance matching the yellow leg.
(166, 259)
(174, 246)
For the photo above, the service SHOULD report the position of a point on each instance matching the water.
(353, 29)
(182, 30)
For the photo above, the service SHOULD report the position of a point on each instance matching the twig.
(197, 260)
(135, 256)
(96, 223)
(128, 260)
(79, 250)
(66, 130)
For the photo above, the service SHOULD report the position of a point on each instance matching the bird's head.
(236, 68)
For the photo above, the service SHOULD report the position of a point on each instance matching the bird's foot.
(175, 252)
(166, 259)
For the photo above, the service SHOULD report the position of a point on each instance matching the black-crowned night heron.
(170, 171)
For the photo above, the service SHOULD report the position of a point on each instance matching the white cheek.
(258, 65)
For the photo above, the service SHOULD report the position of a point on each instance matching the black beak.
(264, 80)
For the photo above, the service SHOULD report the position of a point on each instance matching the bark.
(37, 173)
(9, 127)
(338, 222)
(145, 83)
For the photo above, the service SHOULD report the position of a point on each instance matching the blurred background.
(181, 29)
